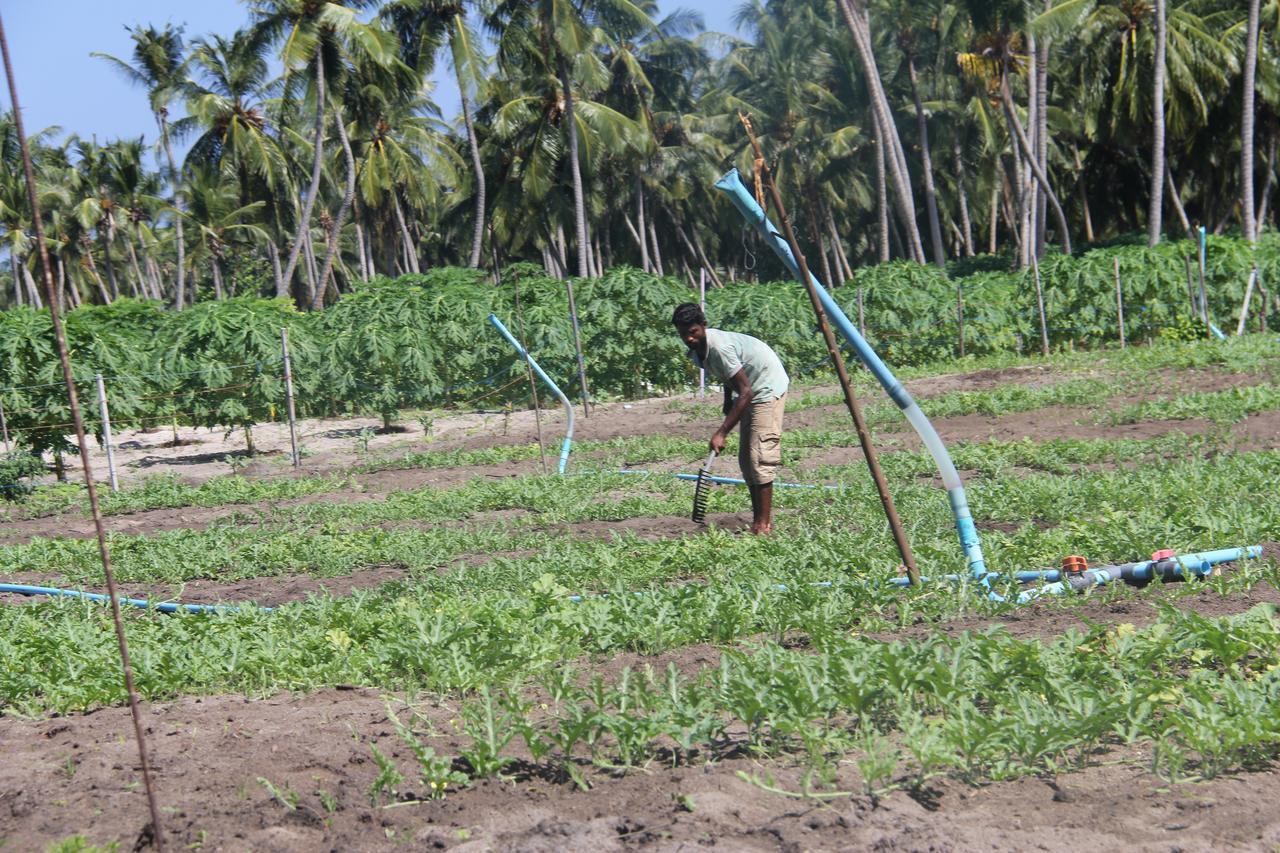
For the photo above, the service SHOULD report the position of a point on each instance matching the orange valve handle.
(1162, 554)
(1074, 564)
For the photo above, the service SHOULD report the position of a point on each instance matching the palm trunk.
(180, 291)
(1176, 199)
(477, 235)
(966, 224)
(1027, 200)
(842, 260)
(335, 232)
(1263, 203)
(640, 224)
(364, 264)
(994, 224)
(882, 193)
(313, 274)
(137, 269)
(32, 289)
(1016, 126)
(277, 275)
(19, 283)
(855, 16)
(410, 251)
(218, 292)
(575, 170)
(1247, 198)
(1042, 132)
(105, 242)
(317, 162)
(1155, 216)
(93, 271)
(926, 164)
(657, 252)
(1084, 193)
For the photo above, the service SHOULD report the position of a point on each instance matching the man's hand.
(717, 442)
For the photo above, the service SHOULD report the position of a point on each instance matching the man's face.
(694, 337)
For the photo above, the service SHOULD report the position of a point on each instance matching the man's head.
(691, 324)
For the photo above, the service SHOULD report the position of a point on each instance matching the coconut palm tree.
(543, 38)
(310, 32)
(159, 66)
(422, 28)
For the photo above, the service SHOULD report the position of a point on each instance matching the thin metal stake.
(1119, 302)
(59, 334)
(294, 455)
(1204, 296)
(837, 361)
(105, 413)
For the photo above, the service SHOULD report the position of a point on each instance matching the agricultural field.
(465, 653)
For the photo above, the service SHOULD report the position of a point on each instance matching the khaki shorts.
(760, 452)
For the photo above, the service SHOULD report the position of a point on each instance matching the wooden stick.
(1044, 327)
(1119, 303)
(105, 414)
(294, 455)
(64, 356)
(837, 361)
(1248, 295)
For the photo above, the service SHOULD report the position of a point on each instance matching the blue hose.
(161, 606)
(732, 186)
(555, 389)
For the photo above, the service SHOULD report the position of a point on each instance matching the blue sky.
(60, 84)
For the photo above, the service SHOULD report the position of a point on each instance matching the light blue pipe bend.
(161, 606)
(555, 389)
(732, 186)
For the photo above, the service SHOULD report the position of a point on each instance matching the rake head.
(702, 491)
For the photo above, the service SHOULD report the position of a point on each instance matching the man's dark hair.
(688, 314)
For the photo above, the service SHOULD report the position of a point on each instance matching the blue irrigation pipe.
(161, 606)
(555, 389)
(1178, 567)
(732, 186)
(730, 481)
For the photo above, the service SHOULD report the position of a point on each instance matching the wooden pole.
(702, 305)
(105, 413)
(64, 357)
(1248, 295)
(1044, 326)
(1191, 290)
(1119, 302)
(837, 361)
(294, 455)
(4, 428)
(577, 345)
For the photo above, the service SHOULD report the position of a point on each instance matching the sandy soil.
(77, 774)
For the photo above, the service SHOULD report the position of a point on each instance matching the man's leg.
(755, 506)
(762, 506)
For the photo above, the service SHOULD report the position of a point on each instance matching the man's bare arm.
(735, 412)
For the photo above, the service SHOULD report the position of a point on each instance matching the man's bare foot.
(761, 529)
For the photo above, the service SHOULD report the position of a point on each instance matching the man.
(747, 367)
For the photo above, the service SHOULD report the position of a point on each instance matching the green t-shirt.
(729, 352)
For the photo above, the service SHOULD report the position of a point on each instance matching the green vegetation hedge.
(423, 340)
